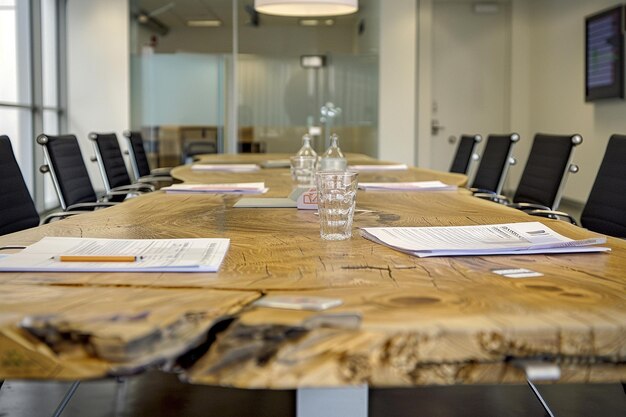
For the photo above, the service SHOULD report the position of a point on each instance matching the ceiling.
(176, 13)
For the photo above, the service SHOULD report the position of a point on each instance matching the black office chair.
(112, 166)
(139, 161)
(69, 174)
(465, 153)
(494, 164)
(17, 209)
(545, 173)
(605, 210)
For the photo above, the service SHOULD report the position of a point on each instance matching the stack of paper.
(226, 167)
(394, 167)
(407, 186)
(493, 239)
(240, 188)
(102, 255)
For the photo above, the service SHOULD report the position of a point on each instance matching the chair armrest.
(94, 206)
(61, 215)
(551, 214)
(107, 196)
(528, 206)
(158, 172)
(481, 190)
(154, 179)
(141, 188)
(496, 198)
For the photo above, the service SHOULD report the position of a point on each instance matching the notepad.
(406, 186)
(156, 255)
(393, 167)
(226, 167)
(237, 188)
(493, 239)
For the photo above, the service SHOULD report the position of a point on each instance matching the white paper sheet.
(238, 188)
(158, 255)
(495, 239)
(226, 167)
(407, 186)
(394, 167)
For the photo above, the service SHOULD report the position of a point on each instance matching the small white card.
(517, 273)
(297, 302)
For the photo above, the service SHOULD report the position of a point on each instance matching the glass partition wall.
(184, 97)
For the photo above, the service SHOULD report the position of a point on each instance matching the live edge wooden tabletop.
(404, 321)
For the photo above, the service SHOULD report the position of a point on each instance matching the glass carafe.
(333, 159)
(306, 149)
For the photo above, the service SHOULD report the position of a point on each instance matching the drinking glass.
(336, 197)
(303, 170)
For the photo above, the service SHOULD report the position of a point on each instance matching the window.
(30, 93)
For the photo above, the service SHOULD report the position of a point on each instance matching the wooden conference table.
(404, 321)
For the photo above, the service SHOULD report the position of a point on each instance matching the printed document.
(239, 188)
(394, 167)
(407, 186)
(493, 239)
(226, 167)
(153, 255)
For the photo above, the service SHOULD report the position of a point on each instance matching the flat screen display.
(604, 59)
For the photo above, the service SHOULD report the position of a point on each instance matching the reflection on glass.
(16, 124)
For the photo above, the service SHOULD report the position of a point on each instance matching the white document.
(407, 186)
(394, 167)
(156, 255)
(239, 188)
(493, 239)
(276, 163)
(271, 202)
(226, 167)
(274, 202)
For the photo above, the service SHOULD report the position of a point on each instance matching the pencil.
(96, 258)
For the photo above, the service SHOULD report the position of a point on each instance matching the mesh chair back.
(495, 162)
(69, 173)
(546, 170)
(17, 210)
(110, 160)
(464, 152)
(605, 211)
(137, 152)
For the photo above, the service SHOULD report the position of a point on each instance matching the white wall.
(98, 72)
(548, 74)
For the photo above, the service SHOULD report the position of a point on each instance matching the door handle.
(435, 127)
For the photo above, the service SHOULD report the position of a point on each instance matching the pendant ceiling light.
(306, 7)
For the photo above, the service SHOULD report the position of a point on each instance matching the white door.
(470, 73)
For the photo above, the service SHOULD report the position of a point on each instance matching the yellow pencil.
(96, 258)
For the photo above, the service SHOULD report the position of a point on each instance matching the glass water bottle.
(333, 159)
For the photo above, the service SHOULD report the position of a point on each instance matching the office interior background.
(409, 76)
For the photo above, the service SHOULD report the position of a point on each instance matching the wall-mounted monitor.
(604, 54)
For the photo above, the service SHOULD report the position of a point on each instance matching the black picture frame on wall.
(604, 54)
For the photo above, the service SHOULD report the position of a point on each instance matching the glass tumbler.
(303, 170)
(336, 198)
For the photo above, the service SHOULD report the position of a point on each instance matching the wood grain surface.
(404, 320)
